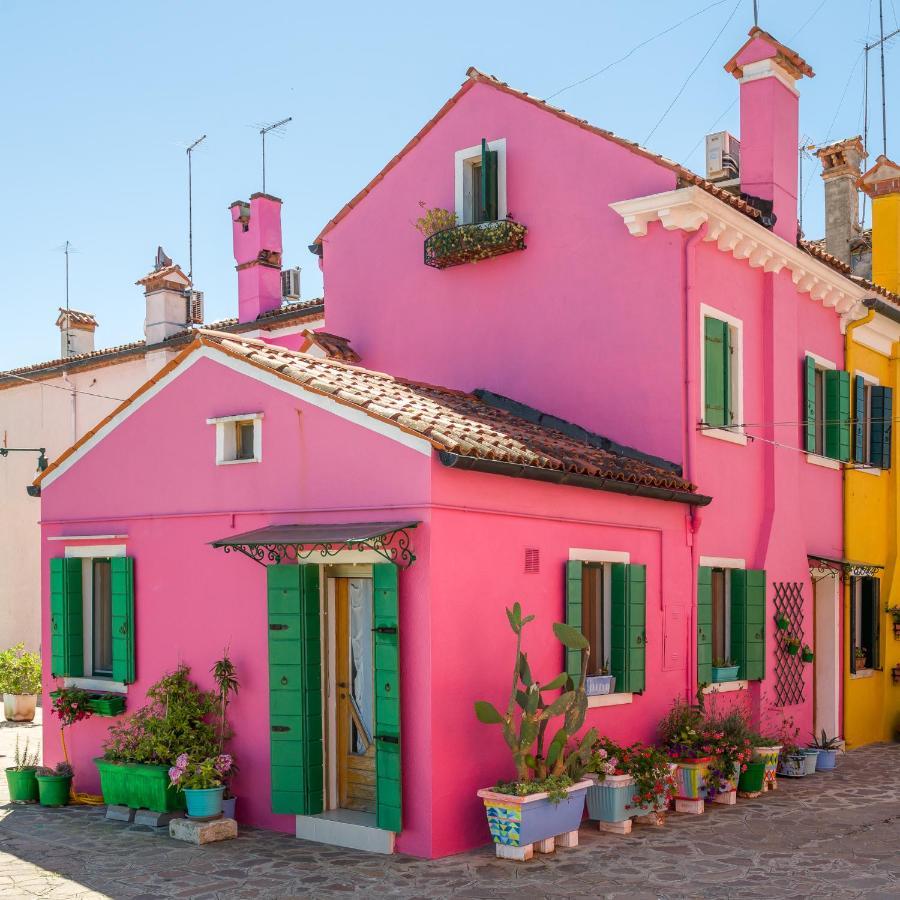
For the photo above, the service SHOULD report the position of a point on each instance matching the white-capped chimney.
(76, 332)
(167, 298)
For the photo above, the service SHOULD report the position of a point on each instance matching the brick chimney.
(768, 71)
(167, 303)
(256, 227)
(882, 184)
(76, 332)
(841, 169)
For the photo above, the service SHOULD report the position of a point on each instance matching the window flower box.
(725, 673)
(599, 685)
(103, 704)
(472, 243)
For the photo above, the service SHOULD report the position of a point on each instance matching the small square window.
(238, 438)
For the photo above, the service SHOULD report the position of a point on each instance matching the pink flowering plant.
(201, 774)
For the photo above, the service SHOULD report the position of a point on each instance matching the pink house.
(354, 536)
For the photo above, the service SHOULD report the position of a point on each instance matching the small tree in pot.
(20, 683)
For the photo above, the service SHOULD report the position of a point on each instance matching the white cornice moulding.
(880, 334)
(689, 208)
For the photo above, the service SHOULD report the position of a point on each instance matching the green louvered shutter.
(881, 425)
(748, 622)
(717, 372)
(704, 625)
(122, 589)
(809, 397)
(629, 626)
(875, 601)
(388, 793)
(837, 414)
(859, 415)
(574, 584)
(66, 618)
(295, 690)
(489, 199)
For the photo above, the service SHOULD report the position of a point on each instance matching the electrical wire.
(637, 47)
(816, 11)
(60, 387)
(692, 73)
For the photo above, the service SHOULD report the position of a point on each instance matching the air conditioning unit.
(290, 284)
(195, 307)
(723, 156)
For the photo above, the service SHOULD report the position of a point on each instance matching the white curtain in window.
(362, 675)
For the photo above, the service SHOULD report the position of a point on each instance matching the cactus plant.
(525, 734)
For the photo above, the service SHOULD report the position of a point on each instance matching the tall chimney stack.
(841, 169)
(767, 71)
(76, 332)
(256, 228)
(165, 292)
(882, 184)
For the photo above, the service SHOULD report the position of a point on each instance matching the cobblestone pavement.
(828, 835)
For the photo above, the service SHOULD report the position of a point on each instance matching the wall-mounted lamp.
(33, 491)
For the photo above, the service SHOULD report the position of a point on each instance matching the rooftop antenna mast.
(67, 248)
(189, 152)
(263, 132)
(755, 13)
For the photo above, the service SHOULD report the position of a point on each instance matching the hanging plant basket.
(473, 243)
(782, 623)
(807, 655)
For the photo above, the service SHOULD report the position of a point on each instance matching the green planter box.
(102, 703)
(138, 786)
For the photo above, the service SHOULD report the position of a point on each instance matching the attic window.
(485, 161)
(238, 438)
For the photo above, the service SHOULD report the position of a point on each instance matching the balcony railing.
(473, 243)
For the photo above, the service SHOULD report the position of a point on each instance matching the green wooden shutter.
(875, 601)
(859, 415)
(717, 372)
(122, 588)
(574, 599)
(809, 393)
(489, 199)
(748, 622)
(388, 792)
(881, 427)
(704, 625)
(628, 636)
(837, 414)
(66, 618)
(295, 690)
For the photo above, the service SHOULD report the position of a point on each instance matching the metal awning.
(849, 567)
(275, 543)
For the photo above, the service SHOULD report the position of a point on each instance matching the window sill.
(609, 700)
(726, 687)
(97, 684)
(862, 673)
(824, 461)
(235, 462)
(867, 470)
(724, 434)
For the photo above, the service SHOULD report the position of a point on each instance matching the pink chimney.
(256, 227)
(770, 108)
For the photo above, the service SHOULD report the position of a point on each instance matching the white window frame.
(728, 563)
(96, 551)
(226, 438)
(463, 187)
(735, 434)
(871, 381)
(826, 462)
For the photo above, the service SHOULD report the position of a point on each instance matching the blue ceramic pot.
(610, 800)
(518, 821)
(204, 803)
(826, 761)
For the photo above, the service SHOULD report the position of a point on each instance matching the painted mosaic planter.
(793, 765)
(610, 800)
(810, 759)
(826, 760)
(519, 821)
(769, 757)
(690, 778)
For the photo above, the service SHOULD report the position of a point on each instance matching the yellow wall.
(886, 242)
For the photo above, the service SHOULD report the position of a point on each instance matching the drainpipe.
(691, 366)
(71, 386)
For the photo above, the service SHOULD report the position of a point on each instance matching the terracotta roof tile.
(332, 345)
(450, 420)
(76, 317)
(788, 58)
(817, 250)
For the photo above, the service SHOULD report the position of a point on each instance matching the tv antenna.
(755, 13)
(263, 132)
(66, 248)
(189, 152)
(882, 40)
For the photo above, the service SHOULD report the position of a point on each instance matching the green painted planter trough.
(138, 786)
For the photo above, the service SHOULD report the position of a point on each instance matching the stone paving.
(828, 835)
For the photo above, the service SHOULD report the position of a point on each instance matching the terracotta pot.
(19, 707)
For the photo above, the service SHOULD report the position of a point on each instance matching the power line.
(815, 12)
(59, 387)
(637, 47)
(693, 72)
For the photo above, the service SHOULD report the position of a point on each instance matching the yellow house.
(871, 700)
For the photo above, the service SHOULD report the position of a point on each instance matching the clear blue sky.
(99, 100)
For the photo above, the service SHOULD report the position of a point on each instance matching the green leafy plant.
(681, 730)
(823, 742)
(860, 653)
(20, 671)
(806, 654)
(227, 686)
(528, 713)
(722, 662)
(782, 622)
(474, 242)
(792, 643)
(173, 721)
(894, 612)
(23, 759)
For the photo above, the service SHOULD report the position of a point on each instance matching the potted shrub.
(54, 785)
(728, 733)
(894, 613)
(782, 622)
(203, 783)
(861, 657)
(724, 670)
(546, 797)
(681, 733)
(792, 644)
(609, 797)
(806, 654)
(600, 684)
(140, 750)
(826, 751)
(20, 683)
(653, 778)
(20, 777)
(225, 675)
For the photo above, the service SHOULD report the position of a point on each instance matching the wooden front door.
(354, 674)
